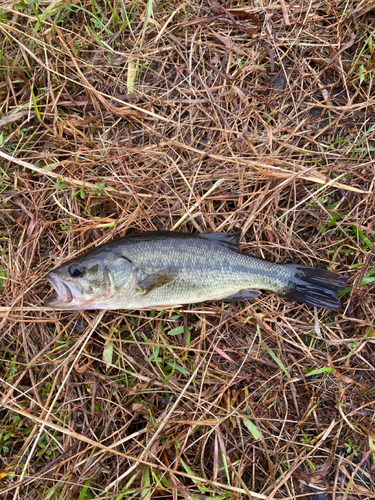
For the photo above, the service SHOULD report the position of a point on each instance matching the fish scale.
(211, 274)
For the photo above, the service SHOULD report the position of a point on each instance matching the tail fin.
(316, 287)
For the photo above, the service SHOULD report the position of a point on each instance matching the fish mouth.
(64, 292)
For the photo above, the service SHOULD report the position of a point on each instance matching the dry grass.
(256, 115)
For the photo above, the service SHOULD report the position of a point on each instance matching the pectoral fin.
(242, 295)
(158, 279)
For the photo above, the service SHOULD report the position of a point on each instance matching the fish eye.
(75, 270)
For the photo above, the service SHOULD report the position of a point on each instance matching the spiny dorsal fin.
(230, 240)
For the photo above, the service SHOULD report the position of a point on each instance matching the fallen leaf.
(13, 118)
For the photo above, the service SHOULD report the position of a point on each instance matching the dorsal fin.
(230, 240)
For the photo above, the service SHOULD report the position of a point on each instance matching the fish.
(167, 269)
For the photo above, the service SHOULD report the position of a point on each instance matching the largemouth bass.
(157, 270)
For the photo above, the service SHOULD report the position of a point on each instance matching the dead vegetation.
(122, 116)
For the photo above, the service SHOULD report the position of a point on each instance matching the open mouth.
(62, 296)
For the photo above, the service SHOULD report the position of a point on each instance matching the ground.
(120, 116)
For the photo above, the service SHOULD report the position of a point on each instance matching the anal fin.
(242, 295)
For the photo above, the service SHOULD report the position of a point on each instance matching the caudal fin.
(316, 287)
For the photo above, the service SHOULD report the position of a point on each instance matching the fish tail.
(316, 287)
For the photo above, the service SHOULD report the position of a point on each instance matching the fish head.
(95, 282)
